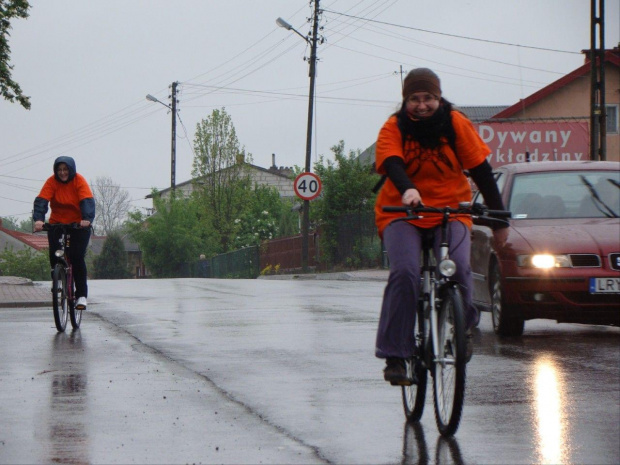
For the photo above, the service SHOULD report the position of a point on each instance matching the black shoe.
(469, 345)
(395, 373)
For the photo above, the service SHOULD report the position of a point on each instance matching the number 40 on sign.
(307, 186)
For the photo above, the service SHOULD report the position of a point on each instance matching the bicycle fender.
(449, 285)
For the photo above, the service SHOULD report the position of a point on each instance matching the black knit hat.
(421, 80)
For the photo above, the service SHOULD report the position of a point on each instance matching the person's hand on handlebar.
(38, 226)
(84, 224)
(411, 197)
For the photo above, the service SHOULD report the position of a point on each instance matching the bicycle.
(440, 335)
(63, 286)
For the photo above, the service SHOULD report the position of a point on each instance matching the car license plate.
(604, 285)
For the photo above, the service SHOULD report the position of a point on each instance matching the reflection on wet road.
(550, 418)
(416, 450)
(67, 418)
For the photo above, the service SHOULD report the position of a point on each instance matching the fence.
(354, 244)
(357, 244)
(243, 263)
(285, 253)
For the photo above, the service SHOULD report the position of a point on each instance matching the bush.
(26, 263)
(112, 262)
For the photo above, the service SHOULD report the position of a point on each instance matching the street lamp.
(312, 41)
(173, 144)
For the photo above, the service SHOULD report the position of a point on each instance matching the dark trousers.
(403, 242)
(76, 253)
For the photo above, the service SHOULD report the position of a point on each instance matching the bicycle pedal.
(404, 382)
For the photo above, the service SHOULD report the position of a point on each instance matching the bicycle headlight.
(59, 253)
(544, 261)
(447, 267)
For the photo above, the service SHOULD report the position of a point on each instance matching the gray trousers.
(403, 242)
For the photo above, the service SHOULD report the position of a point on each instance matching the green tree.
(346, 200)
(112, 261)
(288, 224)
(26, 263)
(10, 89)
(170, 238)
(261, 219)
(14, 224)
(221, 180)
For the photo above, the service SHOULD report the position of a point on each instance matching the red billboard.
(511, 142)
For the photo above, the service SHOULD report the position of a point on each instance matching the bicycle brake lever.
(479, 209)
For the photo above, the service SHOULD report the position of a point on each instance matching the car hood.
(600, 236)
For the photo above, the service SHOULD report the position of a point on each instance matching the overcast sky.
(88, 65)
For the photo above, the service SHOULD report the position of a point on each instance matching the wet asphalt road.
(260, 371)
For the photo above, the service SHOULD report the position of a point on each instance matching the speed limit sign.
(307, 186)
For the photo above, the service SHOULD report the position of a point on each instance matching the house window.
(612, 119)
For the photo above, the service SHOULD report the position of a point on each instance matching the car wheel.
(505, 321)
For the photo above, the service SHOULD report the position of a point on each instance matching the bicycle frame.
(63, 258)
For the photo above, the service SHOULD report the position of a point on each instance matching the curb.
(369, 275)
(21, 292)
(26, 304)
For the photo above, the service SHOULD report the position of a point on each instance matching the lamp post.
(312, 41)
(173, 144)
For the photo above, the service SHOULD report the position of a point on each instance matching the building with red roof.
(569, 98)
(18, 240)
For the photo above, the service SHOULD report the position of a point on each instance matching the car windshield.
(566, 194)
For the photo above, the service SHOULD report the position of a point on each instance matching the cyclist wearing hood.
(71, 200)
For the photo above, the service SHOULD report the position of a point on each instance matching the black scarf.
(428, 132)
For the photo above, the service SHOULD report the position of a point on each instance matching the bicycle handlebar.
(48, 226)
(477, 210)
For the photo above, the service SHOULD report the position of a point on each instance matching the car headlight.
(544, 261)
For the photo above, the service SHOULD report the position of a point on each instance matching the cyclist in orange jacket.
(71, 200)
(422, 150)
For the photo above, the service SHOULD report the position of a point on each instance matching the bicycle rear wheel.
(59, 297)
(449, 364)
(414, 396)
(74, 313)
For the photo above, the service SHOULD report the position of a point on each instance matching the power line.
(430, 45)
(453, 35)
(447, 72)
(15, 200)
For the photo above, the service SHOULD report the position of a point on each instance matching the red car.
(561, 260)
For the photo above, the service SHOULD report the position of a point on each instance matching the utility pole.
(305, 226)
(598, 113)
(173, 146)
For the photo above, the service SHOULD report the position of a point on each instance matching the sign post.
(307, 187)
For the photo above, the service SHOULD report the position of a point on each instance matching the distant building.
(17, 240)
(279, 177)
(569, 97)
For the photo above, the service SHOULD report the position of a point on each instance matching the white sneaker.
(81, 303)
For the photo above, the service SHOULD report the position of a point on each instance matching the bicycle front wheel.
(59, 297)
(449, 363)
